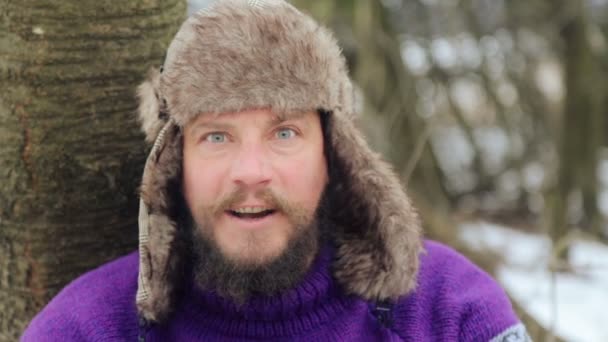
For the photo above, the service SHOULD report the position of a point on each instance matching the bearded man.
(264, 215)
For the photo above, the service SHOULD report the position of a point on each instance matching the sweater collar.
(314, 301)
(316, 286)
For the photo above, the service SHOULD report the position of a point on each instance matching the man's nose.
(250, 166)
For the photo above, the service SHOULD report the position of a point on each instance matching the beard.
(239, 280)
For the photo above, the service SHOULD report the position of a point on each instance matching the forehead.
(265, 117)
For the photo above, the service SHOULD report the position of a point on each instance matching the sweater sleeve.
(98, 306)
(456, 301)
(485, 310)
(52, 324)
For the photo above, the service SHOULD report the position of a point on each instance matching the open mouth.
(251, 214)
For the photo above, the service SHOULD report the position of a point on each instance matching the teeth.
(250, 210)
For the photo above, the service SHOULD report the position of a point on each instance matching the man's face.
(251, 180)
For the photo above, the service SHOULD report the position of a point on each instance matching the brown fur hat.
(240, 54)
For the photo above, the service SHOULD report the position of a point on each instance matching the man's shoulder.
(458, 298)
(441, 265)
(437, 255)
(100, 301)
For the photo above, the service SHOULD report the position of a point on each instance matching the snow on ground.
(574, 304)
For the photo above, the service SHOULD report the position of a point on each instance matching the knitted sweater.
(454, 301)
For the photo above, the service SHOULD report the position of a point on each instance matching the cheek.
(304, 179)
(201, 182)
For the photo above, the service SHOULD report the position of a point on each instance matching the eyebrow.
(211, 125)
(280, 118)
(275, 121)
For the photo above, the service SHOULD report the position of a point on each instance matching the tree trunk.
(581, 130)
(71, 153)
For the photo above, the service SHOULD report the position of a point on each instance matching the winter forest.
(493, 112)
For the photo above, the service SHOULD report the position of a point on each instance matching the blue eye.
(285, 133)
(216, 138)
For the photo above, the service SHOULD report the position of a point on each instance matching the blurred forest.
(492, 108)
(488, 109)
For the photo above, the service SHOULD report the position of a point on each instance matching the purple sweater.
(454, 301)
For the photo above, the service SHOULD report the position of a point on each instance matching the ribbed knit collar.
(317, 299)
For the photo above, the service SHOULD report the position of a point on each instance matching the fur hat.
(240, 54)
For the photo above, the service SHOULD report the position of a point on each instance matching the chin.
(252, 255)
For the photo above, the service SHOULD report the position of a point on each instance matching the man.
(264, 215)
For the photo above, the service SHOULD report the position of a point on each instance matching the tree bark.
(581, 128)
(71, 153)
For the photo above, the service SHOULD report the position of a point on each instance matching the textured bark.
(70, 150)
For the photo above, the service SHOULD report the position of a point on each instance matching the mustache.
(294, 212)
(238, 196)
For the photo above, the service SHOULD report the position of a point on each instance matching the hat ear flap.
(160, 242)
(377, 229)
(151, 110)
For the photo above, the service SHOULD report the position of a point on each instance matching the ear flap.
(160, 246)
(151, 110)
(378, 233)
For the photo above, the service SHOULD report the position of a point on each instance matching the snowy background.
(571, 304)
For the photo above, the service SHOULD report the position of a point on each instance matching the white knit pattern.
(515, 333)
